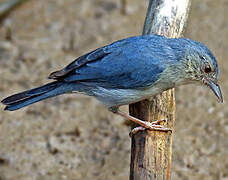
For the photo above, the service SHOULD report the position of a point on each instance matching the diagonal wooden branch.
(151, 151)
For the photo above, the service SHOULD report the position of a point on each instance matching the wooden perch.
(151, 151)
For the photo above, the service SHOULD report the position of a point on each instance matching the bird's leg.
(144, 124)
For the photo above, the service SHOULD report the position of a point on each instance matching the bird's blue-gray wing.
(130, 63)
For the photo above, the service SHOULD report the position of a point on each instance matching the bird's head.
(201, 66)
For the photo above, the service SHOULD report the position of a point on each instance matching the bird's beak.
(216, 89)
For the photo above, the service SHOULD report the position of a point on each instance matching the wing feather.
(130, 63)
(89, 57)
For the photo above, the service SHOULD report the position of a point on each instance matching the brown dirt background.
(74, 137)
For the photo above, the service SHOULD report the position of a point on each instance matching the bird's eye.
(207, 69)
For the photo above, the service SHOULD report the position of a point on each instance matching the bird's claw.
(136, 130)
(158, 122)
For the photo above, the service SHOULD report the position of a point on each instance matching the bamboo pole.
(151, 151)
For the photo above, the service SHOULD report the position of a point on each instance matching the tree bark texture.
(151, 151)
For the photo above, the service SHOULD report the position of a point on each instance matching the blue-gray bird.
(128, 71)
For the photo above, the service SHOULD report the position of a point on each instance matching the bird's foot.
(153, 126)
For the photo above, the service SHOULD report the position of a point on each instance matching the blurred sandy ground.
(74, 137)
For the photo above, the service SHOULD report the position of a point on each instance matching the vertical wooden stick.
(151, 151)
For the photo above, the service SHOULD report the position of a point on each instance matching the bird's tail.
(28, 97)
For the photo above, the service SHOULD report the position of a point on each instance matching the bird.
(128, 71)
